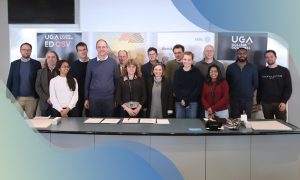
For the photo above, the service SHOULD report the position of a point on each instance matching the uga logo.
(241, 39)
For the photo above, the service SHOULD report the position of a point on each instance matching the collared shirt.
(98, 59)
(25, 59)
(85, 61)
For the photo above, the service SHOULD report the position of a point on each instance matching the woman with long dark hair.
(63, 91)
(215, 93)
(131, 92)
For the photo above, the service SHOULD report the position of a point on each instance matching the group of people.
(103, 87)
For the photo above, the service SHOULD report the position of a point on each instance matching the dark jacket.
(42, 87)
(13, 81)
(166, 96)
(138, 91)
(242, 83)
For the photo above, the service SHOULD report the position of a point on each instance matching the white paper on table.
(162, 121)
(110, 121)
(148, 120)
(130, 120)
(93, 120)
(269, 125)
(39, 123)
(41, 117)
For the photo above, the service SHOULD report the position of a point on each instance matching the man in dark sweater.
(147, 68)
(102, 74)
(78, 71)
(242, 78)
(275, 88)
(21, 81)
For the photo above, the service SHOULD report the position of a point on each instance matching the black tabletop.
(177, 127)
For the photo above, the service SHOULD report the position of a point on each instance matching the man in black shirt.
(275, 88)
(78, 71)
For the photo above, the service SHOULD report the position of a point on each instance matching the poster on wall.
(132, 42)
(64, 44)
(255, 43)
(192, 41)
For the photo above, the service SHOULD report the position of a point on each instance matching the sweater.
(78, 71)
(101, 79)
(171, 67)
(215, 96)
(203, 67)
(242, 83)
(275, 85)
(61, 95)
(166, 96)
(147, 69)
(187, 85)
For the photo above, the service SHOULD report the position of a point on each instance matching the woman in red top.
(215, 93)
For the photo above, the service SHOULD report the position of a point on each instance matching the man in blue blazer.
(21, 80)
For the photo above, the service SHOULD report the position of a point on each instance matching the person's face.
(122, 56)
(209, 52)
(187, 60)
(25, 51)
(213, 73)
(152, 55)
(131, 69)
(102, 48)
(178, 53)
(158, 71)
(51, 59)
(270, 58)
(82, 52)
(242, 55)
(64, 68)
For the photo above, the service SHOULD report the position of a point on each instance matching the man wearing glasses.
(21, 81)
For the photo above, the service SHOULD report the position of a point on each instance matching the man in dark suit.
(21, 80)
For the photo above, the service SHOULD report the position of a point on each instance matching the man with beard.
(275, 88)
(242, 78)
(21, 80)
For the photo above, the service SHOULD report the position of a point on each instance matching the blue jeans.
(189, 112)
(101, 107)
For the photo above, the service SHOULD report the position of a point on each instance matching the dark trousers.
(272, 109)
(238, 106)
(56, 113)
(101, 107)
(78, 109)
(46, 112)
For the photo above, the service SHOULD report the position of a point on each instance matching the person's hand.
(259, 107)
(182, 103)
(210, 111)
(129, 111)
(86, 104)
(282, 106)
(137, 110)
(64, 112)
(48, 101)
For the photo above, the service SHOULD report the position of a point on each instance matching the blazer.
(42, 88)
(166, 96)
(13, 80)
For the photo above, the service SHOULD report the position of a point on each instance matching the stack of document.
(110, 121)
(162, 121)
(269, 125)
(93, 120)
(130, 120)
(148, 120)
(40, 122)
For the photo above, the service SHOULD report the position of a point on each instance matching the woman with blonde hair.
(131, 91)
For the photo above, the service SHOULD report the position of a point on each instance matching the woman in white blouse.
(63, 91)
